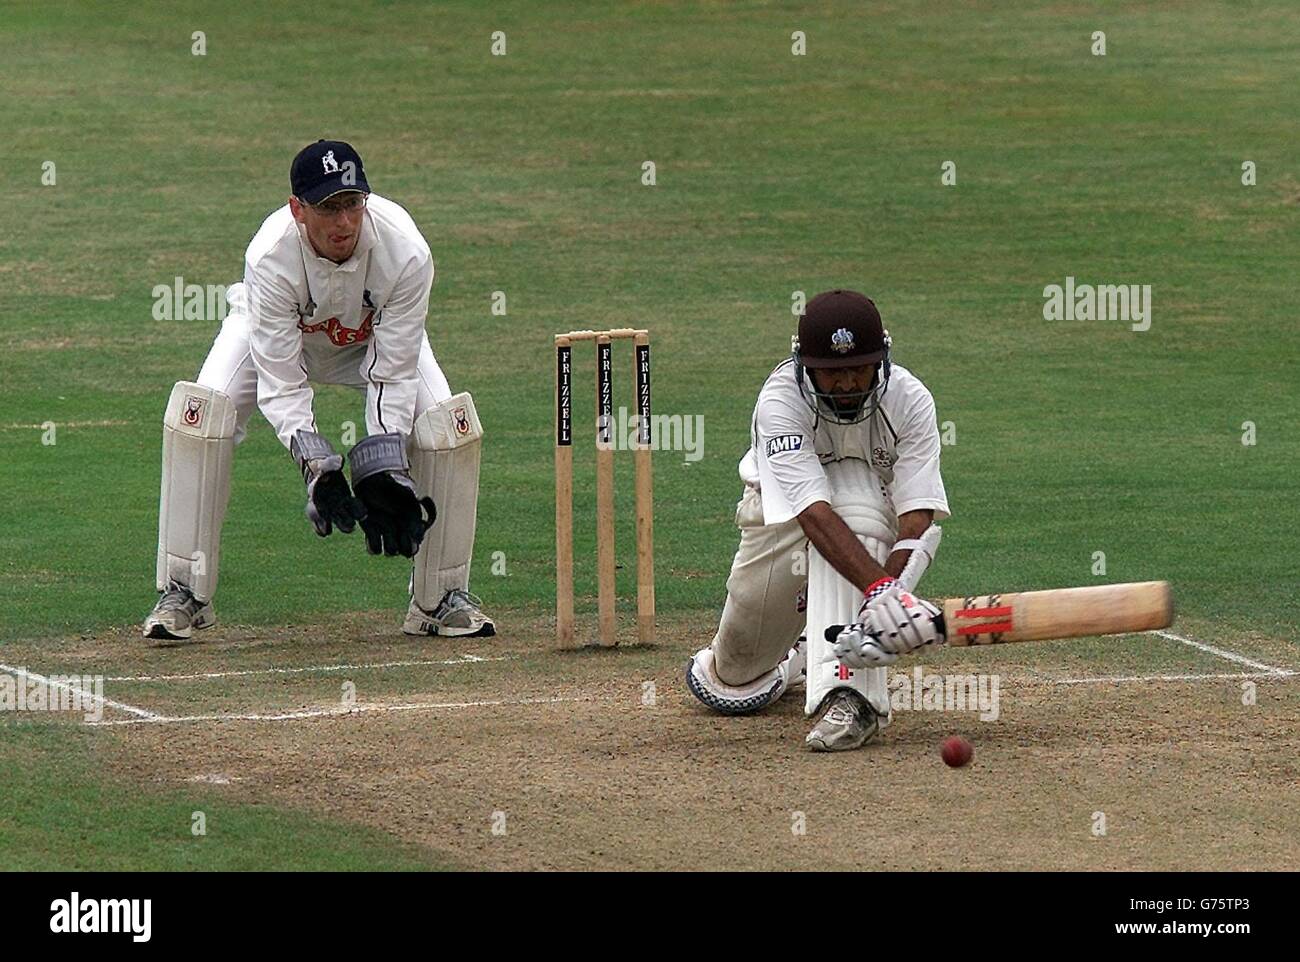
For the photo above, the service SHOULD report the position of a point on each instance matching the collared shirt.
(306, 313)
(790, 444)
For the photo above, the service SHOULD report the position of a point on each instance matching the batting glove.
(891, 622)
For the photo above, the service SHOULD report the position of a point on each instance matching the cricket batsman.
(842, 489)
(335, 291)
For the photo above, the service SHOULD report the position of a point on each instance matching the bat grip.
(833, 631)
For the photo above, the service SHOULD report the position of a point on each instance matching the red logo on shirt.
(337, 333)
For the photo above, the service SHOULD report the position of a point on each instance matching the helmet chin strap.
(845, 408)
(822, 405)
(864, 404)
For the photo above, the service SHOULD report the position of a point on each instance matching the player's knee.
(705, 683)
(737, 669)
(200, 411)
(447, 425)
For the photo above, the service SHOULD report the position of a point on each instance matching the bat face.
(1058, 613)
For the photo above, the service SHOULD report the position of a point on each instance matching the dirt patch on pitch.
(601, 760)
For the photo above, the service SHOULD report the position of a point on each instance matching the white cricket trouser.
(229, 369)
(763, 615)
(769, 599)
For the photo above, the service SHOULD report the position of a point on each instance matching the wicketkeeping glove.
(891, 622)
(396, 517)
(329, 499)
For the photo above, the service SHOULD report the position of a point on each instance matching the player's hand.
(891, 622)
(396, 518)
(330, 502)
(856, 647)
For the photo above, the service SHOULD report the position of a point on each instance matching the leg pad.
(197, 451)
(445, 448)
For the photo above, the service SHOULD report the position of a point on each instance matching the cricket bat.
(1054, 613)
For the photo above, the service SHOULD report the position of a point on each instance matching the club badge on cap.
(325, 168)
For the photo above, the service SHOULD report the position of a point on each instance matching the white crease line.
(13, 426)
(143, 713)
(459, 660)
(1228, 655)
(335, 712)
(1117, 679)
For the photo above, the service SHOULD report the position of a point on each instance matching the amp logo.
(786, 442)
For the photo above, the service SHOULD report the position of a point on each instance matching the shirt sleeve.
(275, 343)
(917, 483)
(791, 476)
(395, 352)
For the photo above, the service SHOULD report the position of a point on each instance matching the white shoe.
(178, 614)
(847, 722)
(458, 615)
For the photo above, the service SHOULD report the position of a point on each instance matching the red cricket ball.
(956, 751)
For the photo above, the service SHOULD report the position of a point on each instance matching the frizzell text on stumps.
(605, 446)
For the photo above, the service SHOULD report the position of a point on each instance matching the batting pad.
(833, 600)
(446, 443)
(198, 447)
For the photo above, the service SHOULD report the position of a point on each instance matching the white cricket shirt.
(305, 311)
(789, 445)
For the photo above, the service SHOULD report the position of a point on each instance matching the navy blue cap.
(324, 168)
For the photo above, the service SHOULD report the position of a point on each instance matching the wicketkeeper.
(336, 291)
(842, 489)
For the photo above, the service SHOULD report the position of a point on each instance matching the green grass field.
(59, 812)
(775, 173)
